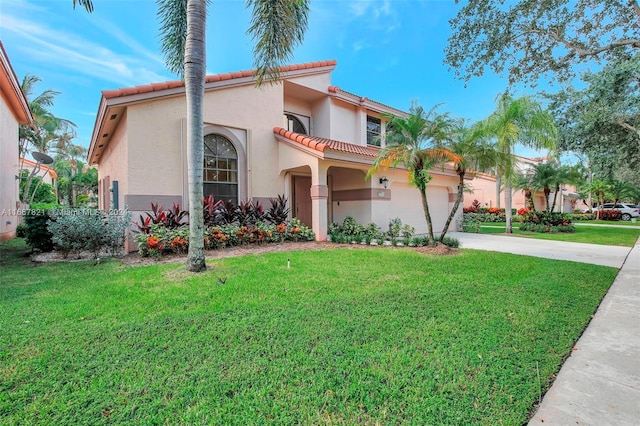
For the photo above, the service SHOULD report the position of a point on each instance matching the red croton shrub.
(610, 215)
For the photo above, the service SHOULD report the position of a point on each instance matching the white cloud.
(67, 50)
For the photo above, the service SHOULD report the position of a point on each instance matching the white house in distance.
(302, 137)
(14, 111)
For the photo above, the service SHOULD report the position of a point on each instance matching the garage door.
(406, 204)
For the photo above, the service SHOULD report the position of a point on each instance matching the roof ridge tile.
(172, 84)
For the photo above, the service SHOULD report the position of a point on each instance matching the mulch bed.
(134, 259)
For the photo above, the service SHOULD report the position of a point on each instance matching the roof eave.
(15, 97)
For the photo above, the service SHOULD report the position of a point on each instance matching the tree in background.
(417, 143)
(524, 181)
(517, 121)
(530, 39)
(42, 192)
(603, 119)
(475, 152)
(77, 183)
(48, 133)
(559, 40)
(621, 191)
(598, 189)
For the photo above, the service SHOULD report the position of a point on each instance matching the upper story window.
(294, 124)
(220, 168)
(374, 130)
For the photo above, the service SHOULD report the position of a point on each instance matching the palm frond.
(172, 15)
(87, 4)
(277, 27)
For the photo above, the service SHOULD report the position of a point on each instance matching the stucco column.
(319, 197)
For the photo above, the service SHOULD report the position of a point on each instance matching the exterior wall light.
(384, 181)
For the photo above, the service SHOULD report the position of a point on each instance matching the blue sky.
(390, 51)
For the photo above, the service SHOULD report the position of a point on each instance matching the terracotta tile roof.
(43, 167)
(154, 87)
(364, 100)
(323, 144)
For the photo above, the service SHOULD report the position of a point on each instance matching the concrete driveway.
(560, 250)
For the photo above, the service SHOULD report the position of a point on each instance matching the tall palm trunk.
(456, 205)
(507, 208)
(555, 196)
(529, 203)
(427, 215)
(547, 192)
(498, 185)
(194, 78)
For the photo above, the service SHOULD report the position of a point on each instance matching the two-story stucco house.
(14, 111)
(302, 137)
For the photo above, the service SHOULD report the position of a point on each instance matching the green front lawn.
(343, 336)
(584, 234)
(609, 222)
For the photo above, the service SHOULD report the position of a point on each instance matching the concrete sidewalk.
(599, 384)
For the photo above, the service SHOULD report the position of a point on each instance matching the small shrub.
(581, 216)
(209, 208)
(37, 235)
(395, 225)
(473, 208)
(88, 230)
(471, 226)
(451, 242)
(278, 213)
(610, 215)
(21, 230)
(248, 214)
(175, 217)
(299, 232)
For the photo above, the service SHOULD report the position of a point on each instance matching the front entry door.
(302, 199)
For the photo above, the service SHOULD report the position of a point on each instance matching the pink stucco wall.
(147, 154)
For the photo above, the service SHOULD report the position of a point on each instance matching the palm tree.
(47, 131)
(517, 121)
(474, 153)
(524, 182)
(620, 190)
(416, 143)
(543, 177)
(276, 27)
(565, 175)
(599, 189)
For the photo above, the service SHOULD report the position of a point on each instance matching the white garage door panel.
(406, 204)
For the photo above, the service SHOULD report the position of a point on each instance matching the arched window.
(220, 168)
(294, 124)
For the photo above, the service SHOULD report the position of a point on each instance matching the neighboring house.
(48, 174)
(484, 189)
(14, 111)
(302, 137)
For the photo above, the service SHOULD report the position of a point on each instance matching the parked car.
(628, 210)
